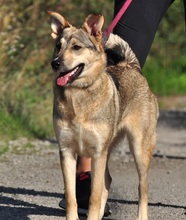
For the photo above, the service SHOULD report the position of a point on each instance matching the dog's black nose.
(55, 64)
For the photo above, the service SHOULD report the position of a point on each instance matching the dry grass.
(25, 73)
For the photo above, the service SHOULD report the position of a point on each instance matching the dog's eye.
(76, 47)
(58, 45)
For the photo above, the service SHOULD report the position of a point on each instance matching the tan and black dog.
(99, 94)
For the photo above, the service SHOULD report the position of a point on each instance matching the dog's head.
(78, 55)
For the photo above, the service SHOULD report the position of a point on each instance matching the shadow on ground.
(14, 209)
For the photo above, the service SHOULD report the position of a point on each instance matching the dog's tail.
(119, 52)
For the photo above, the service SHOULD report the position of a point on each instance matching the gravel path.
(31, 182)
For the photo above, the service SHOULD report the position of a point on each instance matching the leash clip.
(105, 37)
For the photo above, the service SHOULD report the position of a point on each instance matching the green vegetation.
(165, 68)
(25, 53)
(10, 128)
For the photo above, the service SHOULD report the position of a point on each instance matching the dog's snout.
(55, 64)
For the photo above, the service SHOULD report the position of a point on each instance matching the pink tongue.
(63, 80)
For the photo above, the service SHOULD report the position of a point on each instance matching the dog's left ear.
(58, 23)
(93, 25)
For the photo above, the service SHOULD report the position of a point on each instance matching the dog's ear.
(93, 25)
(58, 23)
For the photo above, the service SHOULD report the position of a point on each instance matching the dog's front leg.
(98, 171)
(68, 165)
(106, 186)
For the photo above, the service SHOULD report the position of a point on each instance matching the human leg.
(83, 165)
(139, 23)
(83, 187)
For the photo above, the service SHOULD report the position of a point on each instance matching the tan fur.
(93, 109)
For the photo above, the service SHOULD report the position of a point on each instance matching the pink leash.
(106, 33)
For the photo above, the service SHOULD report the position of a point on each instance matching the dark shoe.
(83, 189)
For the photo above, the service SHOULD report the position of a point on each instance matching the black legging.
(139, 23)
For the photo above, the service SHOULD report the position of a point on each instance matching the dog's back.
(133, 90)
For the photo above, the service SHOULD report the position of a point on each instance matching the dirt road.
(31, 183)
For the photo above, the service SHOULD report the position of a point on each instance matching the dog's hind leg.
(68, 165)
(142, 148)
(98, 172)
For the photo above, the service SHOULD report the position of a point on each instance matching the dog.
(99, 96)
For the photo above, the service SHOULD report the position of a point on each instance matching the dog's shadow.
(16, 209)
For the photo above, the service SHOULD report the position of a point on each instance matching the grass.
(11, 128)
(17, 136)
(166, 80)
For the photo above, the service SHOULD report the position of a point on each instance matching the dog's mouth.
(67, 77)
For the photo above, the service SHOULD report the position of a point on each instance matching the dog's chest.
(87, 135)
(85, 121)
(85, 138)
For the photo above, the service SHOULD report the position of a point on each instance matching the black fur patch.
(114, 55)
